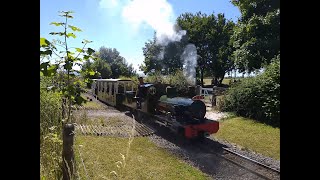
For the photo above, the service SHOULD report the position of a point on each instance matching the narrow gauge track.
(260, 170)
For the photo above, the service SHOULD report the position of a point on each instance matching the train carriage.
(111, 91)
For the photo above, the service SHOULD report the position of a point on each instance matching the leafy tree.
(111, 64)
(165, 58)
(221, 48)
(172, 55)
(197, 27)
(257, 36)
(211, 35)
(67, 59)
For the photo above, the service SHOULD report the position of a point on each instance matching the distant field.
(251, 135)
(106, 158)
(207, 81)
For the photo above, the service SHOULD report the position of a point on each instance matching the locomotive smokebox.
(197, 109)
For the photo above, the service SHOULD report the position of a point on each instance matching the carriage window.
(120, 88)
(128, 86)
(112, 88)
(135, 87)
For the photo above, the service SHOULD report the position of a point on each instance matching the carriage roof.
(112, 80)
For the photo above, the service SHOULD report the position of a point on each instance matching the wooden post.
(67, 152)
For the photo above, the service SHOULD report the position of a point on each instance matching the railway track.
(261, 171)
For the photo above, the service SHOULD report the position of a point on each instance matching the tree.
(111, 64)
(163, 58)
(221, 49)
(172, 59)
(257, 36)
(198, 31)
(211, 35)
(151, 52)
(66, 62)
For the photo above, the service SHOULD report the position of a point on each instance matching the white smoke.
(158, 14)
(189, 58)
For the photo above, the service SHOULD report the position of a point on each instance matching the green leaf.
(86, 57)
(71, 34)
(68, 65)
(79, 49)
(47, 52)
(70, 53)
(90, 51)
(44, 69)
(86, 41)
(91, 73)
(57, 24)
(74, 28)
(44, 65)
(44, 42)
(52, 70)
(66, 15)
(57, 33)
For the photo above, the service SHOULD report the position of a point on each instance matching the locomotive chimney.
(192, 91)
(198, 90)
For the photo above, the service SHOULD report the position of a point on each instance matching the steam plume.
(189, 58)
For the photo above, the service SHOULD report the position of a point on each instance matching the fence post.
(67, 152)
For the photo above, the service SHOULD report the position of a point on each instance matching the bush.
(50, 132)
(257, 97)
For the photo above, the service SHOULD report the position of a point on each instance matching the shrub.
(50, 132)
(257, 97)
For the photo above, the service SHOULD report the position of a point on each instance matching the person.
(139, 92)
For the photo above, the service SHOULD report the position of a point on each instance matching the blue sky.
(121, 24)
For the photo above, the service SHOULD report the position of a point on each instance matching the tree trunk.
(221, 79)
(201, 71)
(67, 152)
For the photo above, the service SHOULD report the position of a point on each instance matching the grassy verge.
(252, 135)
(105, 158)
(93, 105)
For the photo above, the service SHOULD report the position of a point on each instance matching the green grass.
(93, 105)
(252, 135)
(101, 155)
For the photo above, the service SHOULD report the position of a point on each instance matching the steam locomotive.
(160, 102)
